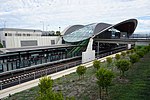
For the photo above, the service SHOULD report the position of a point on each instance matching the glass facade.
(81, 34)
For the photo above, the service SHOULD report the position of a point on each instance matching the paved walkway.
(33, 83)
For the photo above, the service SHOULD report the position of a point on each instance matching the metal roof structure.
(31, 48)
(74, 34)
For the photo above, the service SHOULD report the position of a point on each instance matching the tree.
(50, 95)
(96, 64)
(109, 61)
(134, 58)
(123, 54)
(132, 50)
(128, 52)
(117, 56)
(81, 71)
(104, 79)
(123, 65)
(44, 84)
(58, 33)
(46, 92)
(140, 53)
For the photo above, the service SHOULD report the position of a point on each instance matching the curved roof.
(72, 28)
(79, 33)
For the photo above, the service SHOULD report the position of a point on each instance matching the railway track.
(18, 77)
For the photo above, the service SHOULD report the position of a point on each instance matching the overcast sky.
(52, 14)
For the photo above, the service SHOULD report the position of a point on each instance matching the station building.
(78, 41)
(79, 34)
(15, 38)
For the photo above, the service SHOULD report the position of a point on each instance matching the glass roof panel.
(80, 34)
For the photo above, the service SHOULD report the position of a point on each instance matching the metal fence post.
(46, 71)
(34, 75)
(19, 80)
(1, 85)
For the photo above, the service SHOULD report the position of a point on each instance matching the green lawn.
(138, 87)
(135, 87)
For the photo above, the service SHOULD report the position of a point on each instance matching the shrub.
(123, 54)
(81, 71)
(134, 58)
(104, 79)
(44, 84)
(140, 53)
(123, 65)
(139, 47)
(109, 61)
(132, 50)
(128, 52)
(96, 64)
(117, 56)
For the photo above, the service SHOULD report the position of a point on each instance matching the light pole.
(59, 29)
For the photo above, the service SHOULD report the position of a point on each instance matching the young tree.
(81, 71)
(117, 56)
(140, 53)
(123, 54)
(134, 58)
(45, 83)
(123, 65)
(104, 79)
(128, 52)
(46, 92)
(132, 50)
(109, 61)
(96, 64)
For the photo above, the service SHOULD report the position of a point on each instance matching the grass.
(137, 86)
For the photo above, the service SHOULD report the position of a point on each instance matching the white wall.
(89, 54)
(15, 41)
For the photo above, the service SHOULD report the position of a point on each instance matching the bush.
(132, 50)
(140, 53)
(81, 71)
(134, 58)
(145, 49)
(109, 61)
(123, 65)
(44, 84)
(96, 64)
(138, 47)
(104, 79)
(128, 52)
(117, 56)
(123, 54)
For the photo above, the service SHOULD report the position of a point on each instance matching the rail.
(5, 83)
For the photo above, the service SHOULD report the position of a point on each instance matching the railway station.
(79, 44)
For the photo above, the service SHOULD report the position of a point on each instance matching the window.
(5, 34)
(29, 43)
(9, 34)
(52, 42)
